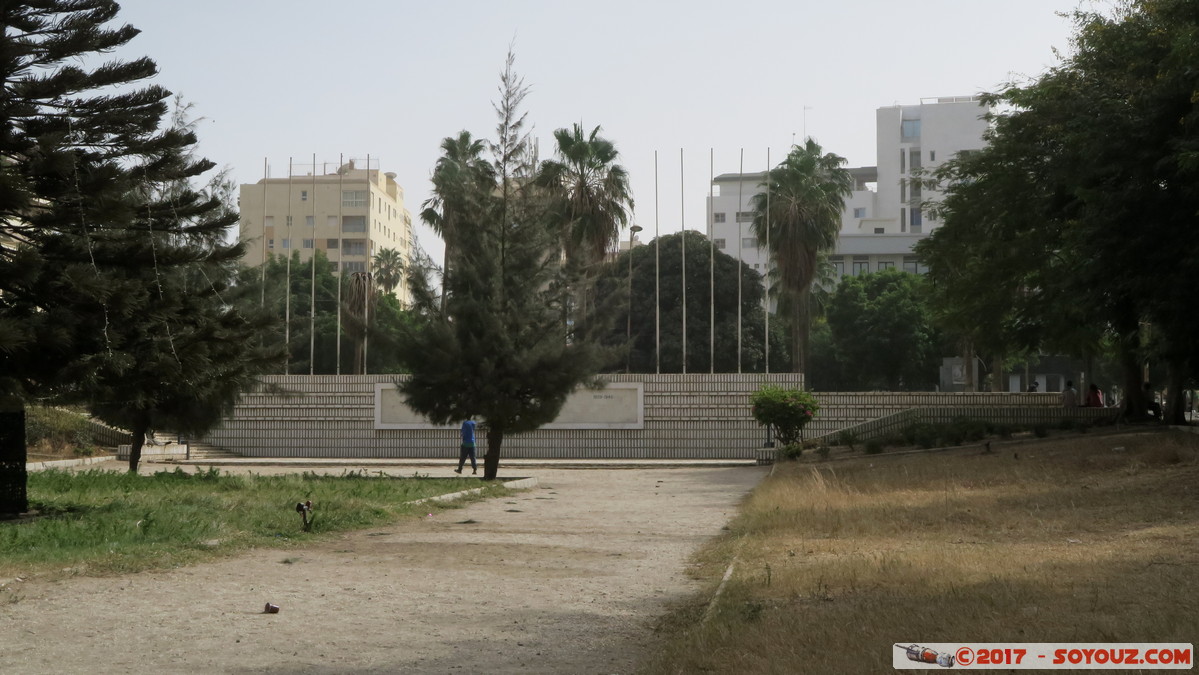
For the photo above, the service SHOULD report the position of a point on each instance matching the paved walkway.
(565, 578)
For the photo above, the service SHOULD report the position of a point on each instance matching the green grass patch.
(99, 522)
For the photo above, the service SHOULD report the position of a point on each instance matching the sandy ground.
(567, 577)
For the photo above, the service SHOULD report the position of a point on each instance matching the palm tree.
(460, 179)
(589, 197)
(591, 193)
(797, 215)
(389, 269)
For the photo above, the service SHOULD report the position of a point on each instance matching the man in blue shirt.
(468, 447)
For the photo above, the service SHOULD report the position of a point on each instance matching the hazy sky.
(280, 79)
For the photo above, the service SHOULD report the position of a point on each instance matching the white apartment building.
(883, 218)
(348, 212)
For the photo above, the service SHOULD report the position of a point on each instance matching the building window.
(718, 243)
(911, 264)
(268, 221)
(838, 269)
(917, 221)
(716, 189)
(859, 212)
(307, 243)
(910, 129)
(353, 224)
(270, 243)
(903, 190)
(861, 267)
(903, 220)
(932, 155)
(915, 158)
(331, 243)
(303, 195)
(353, 197)
(749, 242)
(310, 221)
(885, 265)
(880, 230)
(718, 217)
(289, 221)
(351, 267)
(745, 216)
(286, 243)
(756, 265)
(916, 193)
(353, 246)
(335, 266)
(903, 160)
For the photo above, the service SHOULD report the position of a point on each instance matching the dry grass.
(1089, 539)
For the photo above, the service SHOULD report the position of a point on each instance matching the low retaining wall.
(694, 416)
(682, 417)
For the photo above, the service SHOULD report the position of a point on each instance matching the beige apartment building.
(349, 213)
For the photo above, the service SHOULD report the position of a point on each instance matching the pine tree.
(111, 257)
(500, 351)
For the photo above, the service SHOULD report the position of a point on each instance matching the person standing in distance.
(1070, 395)
(468, 447)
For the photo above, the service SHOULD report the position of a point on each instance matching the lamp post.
(628, 344)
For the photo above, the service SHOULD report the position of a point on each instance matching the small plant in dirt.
(1040, 431)
(823, 451)
(784, 411)
(847, 438)
(874, 446)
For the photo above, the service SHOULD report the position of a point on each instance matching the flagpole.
(657, 278)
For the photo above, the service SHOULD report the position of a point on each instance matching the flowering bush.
(785, 411)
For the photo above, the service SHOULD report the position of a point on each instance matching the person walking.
(1070, 395)
(468, 447)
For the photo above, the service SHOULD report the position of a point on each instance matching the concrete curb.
(519, 483)
(62, 463)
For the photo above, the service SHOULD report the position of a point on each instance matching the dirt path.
(564, 578)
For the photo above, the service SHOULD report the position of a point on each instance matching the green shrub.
(791, 451)
(847, 437)
(823, 451)
(784, 411)
(874, 446)
(60, 429)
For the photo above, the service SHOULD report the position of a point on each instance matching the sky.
(682, 88)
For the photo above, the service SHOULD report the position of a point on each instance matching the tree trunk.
(13, 478)
(135, 444)
(799, 332)
(491, 461)
(1175, 403)
(968, 383)
(997, 375)
(1135, 402)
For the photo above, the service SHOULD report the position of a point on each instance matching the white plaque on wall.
(619, 405)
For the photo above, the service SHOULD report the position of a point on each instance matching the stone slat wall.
(695, 416)
(686, 417)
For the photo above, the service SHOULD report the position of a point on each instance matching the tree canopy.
(640, 322)
(501, 349)
(1076, 222)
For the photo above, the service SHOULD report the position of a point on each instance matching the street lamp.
(628, 358)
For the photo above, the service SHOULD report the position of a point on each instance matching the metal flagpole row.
(370, 287)
(312, 292)
(657, 278)
(683, 234)
(341, 158)
(265, 240)
(769, 260)
(711, 265)
(740, 272)
(287, 287)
